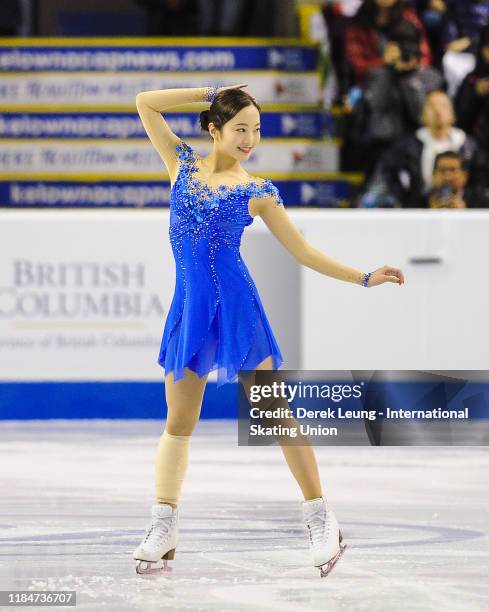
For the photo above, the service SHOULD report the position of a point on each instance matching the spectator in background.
(472, 99)
(463, 21)
(393, 97)
(472, 104)
(368, 33)
(337, 15)
(450, 185)
(432, 14)
(405, 171)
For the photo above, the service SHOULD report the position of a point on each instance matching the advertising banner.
(91, 192)
(97, 124)
(123, 157)
(160, 56)
(120, 88)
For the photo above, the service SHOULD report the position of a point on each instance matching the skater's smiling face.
(240, 135)
(233, 123)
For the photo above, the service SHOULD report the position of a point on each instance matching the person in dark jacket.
(472, 99)
(368, 32)
(432, 14)
(463, 23)
(472, 105)
(336, 23)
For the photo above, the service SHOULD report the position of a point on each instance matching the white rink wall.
(84, 293)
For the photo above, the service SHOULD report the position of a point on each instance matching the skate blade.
(326, 568)
(149, 569)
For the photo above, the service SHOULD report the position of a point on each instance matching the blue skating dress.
(216, 319)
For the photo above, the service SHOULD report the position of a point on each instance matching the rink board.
(84, 297)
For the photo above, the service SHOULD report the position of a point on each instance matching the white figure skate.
(160, 540)
(325, 537)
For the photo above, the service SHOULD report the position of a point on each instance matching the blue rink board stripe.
(283, 124)
(101, 193)
(140, 400)
(178, 58)
(104, 400)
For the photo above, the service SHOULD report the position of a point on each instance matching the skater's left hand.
(386, 274)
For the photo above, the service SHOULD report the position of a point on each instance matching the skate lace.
(318, 525)
(158, 532)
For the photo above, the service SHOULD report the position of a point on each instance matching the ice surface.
(76, 498)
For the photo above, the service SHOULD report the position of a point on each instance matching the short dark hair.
(225, 106)
(449, 155)
(408, 37)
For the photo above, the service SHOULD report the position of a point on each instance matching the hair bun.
(204, 120)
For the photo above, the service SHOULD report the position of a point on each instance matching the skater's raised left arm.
(280, 224)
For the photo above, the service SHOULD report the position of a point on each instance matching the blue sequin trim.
(186, 154)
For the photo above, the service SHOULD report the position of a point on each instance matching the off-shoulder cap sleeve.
(269, 191)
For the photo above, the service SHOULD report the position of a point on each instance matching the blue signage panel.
(160, 57)
(300, 124)
(326, 192)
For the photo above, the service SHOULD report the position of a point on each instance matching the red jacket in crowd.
(362, 46)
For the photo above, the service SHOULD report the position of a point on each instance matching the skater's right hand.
(386, 274)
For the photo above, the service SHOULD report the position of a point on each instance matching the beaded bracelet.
(366, 276)
(210, 93)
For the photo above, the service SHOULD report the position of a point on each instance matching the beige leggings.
(184, 402)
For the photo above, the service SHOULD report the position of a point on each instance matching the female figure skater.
(216, 320)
